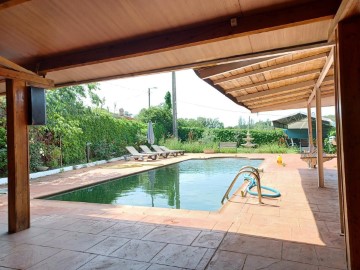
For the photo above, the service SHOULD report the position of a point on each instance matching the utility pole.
(149, 93)
(174, 105)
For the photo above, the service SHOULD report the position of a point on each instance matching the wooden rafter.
(4, 4)
(221, 69)
(193, 35)
(276, 80)
(281, 89)
(279, 106)
(276, 99)
(271, 68)
(324, 72)
(31, 79)
(9, 64)
(278, 102)
(283, 96)
(275, 107)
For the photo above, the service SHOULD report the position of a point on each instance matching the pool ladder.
(248, 170)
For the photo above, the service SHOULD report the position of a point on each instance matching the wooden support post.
(310, 131)
(348, 100)
(338, 143)
(319, 141)
(18, 155)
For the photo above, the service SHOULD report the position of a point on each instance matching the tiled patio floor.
(300, 230)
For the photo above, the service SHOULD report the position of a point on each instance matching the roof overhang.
(73, 42)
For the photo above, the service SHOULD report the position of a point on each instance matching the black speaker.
(37, 106)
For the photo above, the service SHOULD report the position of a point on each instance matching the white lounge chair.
(159, 150)
(148, 151)
(136, 155)
(181, 152)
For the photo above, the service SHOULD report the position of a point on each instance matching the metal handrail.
(249, 170)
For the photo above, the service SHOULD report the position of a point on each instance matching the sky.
(195, 98)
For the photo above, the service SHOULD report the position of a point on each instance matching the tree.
(161, 117)
(167, 98)
(201, 122)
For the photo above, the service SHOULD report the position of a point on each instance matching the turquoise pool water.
(196, 184)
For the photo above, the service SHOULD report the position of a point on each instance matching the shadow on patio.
(298, 231)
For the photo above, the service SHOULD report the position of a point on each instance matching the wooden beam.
(339, 138)
(278, 102)
(324, 72)
(220, 69)
(4, 4)
(189, 36)
(276, 107)
(32, 79)
(310, 130)
(280, 105)
(280, 79)
(271, 68)
(282, 97)
(281, 89)
(327, 87)
(18, 155)
(346, 9)
(201, 64)
(11, 65)
(348, 74)
(319, 140)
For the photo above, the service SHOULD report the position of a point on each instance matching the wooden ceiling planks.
(283, 79)
(44, 34)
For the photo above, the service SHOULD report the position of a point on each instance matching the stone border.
(4, 181)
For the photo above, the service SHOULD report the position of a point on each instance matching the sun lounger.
(148, 151)
(136, 155)
(181, 152)
(311, 157)
(159, 150)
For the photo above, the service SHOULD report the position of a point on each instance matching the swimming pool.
(197, 184)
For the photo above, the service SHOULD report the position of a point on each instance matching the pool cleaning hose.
(275, 192)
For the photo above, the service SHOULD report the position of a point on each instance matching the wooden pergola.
(264, 55)
(285, 80)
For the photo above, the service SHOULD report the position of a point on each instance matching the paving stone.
(331, 257)
(172, 235)
(6, 248)
(45, 236)
(206, 259)
(180, 256)
(252, 245)
(129, 230)
(208, 239)
(139, 250)
(21, 237)
(299, 253)
(226, 260)
(64, 260)
(25, 256)
(108, 246)
(54, 222)
(75, 241)
(162, 267)
(263, 263)
(111, 263)
(90, 226)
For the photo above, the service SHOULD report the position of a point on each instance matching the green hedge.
(109, 136)
(233, 135)
(190, 133)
